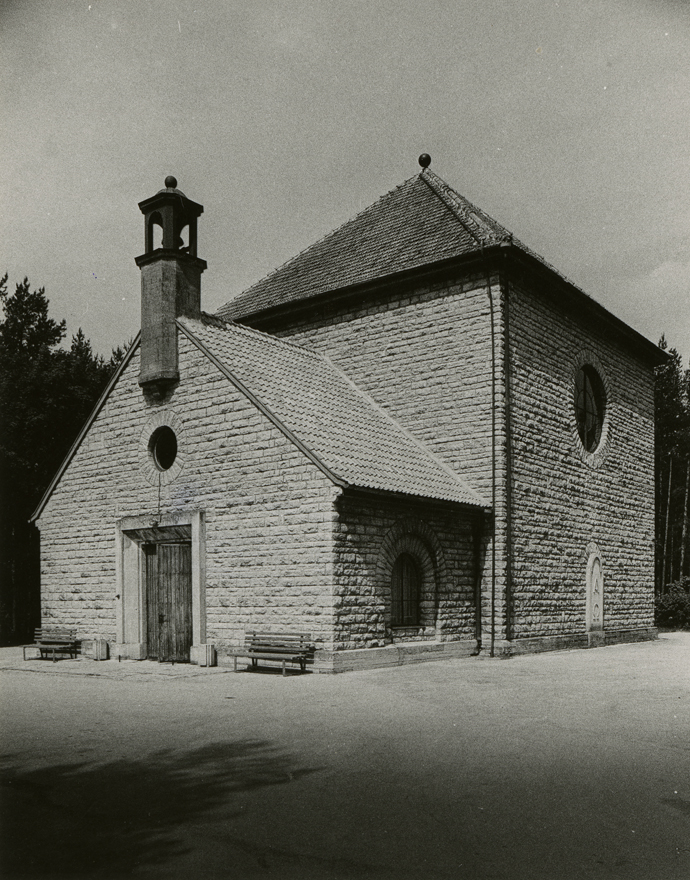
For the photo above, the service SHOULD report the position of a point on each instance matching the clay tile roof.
(345, 432)
(418, 223)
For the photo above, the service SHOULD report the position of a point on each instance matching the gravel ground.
(553, 766)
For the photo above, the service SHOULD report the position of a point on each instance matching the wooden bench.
(283, 647)
(52, 641)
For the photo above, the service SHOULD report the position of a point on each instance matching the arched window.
(594, 610)
(405, 589)
(154, 232)
(182, 237)
(590, 404)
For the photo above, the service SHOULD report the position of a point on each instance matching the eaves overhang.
(493, 258)
(468, 506)
(574, 301)
(365, 290)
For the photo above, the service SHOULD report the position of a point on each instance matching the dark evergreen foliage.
(672, 405)
(672, 609)
(46, 394)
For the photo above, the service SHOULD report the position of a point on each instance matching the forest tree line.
(672, 451)
(47, 391)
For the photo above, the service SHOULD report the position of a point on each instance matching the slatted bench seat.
(284, 647)
(52, 641)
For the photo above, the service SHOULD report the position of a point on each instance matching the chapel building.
(415, 440)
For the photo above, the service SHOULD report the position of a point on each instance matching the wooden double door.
(168, 601)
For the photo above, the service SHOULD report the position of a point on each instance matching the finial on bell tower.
(170, 280)
(172, 211)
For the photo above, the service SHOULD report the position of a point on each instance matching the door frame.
(168, 599)
(131, 533)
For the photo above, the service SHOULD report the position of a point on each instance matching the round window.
(163, 447)
(590, 406)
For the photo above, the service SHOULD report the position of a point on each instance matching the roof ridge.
(233, 326)
(215, 320)
(318, 241)
(410, 436)
(473, 219)
(448, 196)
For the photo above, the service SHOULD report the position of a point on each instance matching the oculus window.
(163, 447)
(590, 406)
(405, 590)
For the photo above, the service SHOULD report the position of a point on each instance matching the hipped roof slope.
(420, 222)
(353, 440)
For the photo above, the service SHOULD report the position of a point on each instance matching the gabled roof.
(339, 427)
(335, 424)
(420, 222)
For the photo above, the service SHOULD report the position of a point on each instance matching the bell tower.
(170, 279)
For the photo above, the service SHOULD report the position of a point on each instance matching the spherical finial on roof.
(170, 181)
(425, 160)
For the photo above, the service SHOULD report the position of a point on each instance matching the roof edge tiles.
(345, 261)
(322, 412)
(479, 501)
(243, 389)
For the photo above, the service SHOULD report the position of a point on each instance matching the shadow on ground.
(84, 819)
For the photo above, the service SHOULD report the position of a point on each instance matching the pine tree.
(672, 436)
(46, 395)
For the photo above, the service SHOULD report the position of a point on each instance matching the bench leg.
(284, 673)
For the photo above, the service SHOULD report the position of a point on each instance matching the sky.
(565, 120)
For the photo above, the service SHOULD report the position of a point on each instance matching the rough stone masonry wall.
(368, 536)
(563, 500)
(425, 356)
(268, 510)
